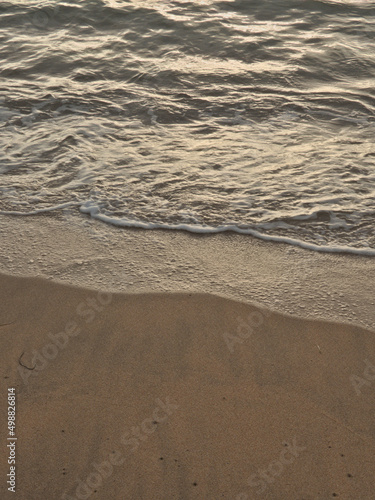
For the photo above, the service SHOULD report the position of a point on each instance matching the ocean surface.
(252, 116)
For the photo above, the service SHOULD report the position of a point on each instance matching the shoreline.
(281, 277)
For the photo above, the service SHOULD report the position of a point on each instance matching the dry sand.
(182, 396)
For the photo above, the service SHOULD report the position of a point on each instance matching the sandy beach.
(182, 396)
(187, 299)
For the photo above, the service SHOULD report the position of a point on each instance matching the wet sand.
(284, 278)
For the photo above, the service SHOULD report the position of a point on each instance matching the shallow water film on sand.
(255, 116)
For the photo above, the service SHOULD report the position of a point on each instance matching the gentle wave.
(256, 117)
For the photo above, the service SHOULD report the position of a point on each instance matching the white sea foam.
(94, 211)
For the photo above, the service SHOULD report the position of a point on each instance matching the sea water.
(206, 116)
